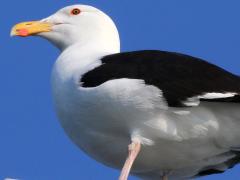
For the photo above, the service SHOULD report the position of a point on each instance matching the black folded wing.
(179, 76)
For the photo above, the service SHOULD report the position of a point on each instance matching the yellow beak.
(30, 28)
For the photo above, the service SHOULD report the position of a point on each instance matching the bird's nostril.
(28, 24)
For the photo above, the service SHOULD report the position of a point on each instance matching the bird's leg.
(133, 150)
(165, 177)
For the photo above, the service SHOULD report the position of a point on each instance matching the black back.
(178, 76)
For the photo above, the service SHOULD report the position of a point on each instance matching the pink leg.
(165, 177)
(133, 150)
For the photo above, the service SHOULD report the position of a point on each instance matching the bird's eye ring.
(75, 11)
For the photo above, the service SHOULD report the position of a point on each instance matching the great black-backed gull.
(179, 115)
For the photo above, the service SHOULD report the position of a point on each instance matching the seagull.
(154, 114)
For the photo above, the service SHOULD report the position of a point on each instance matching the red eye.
(75, 11)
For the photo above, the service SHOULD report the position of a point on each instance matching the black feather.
(178, 76)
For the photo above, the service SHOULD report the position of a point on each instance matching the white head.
(77, 24)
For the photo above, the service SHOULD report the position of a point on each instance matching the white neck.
(78, 59)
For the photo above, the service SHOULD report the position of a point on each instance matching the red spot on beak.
(23, 32)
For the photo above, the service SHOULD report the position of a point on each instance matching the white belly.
(102, 120)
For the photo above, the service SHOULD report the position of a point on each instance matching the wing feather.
(180, 77)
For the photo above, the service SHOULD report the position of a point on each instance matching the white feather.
(195, 101)
(217, 95)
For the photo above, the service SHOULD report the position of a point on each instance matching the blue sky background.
(33, 146)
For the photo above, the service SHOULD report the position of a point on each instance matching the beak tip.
(12, 34)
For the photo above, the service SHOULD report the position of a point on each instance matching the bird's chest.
(114, 109)
(101, 121)
(109, 112)
(111, 108)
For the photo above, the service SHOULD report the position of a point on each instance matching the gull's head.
(77, 24)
